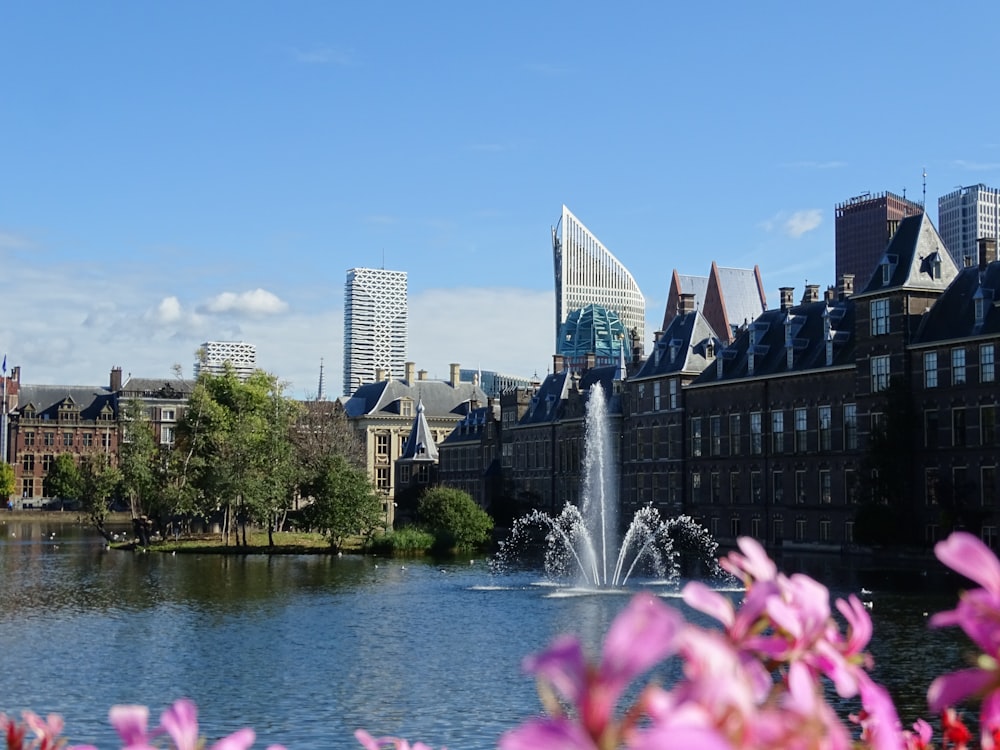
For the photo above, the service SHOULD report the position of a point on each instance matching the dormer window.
(980, 310)
(886, 272)
(405, 407)
(936, 266)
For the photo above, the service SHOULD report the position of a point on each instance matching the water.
(307, 648)
(585, 543)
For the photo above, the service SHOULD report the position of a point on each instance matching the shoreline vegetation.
(405, 542)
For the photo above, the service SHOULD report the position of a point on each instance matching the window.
(930, 370)
(696, 436)
(849, 532)
(988, 425)
(734, 487)
(778, 432)
(734, 434)
(824, 530)
(989, 536)
(716, 488)
(958, 427)
(106, 440)
(988, 486)
(880, 373)
(88, 439)
(931, 485)
(825, 414)
(29, 439)
(28, 462)
(167, 415)
(778, 524)
(850, 487)
(756, 433)
(695, 487)
(382, 444)
(673, 393)
(800, 529)
(825, 486)
(656, 395)
(734, 526)
(987, 371)
(879, 317)
(801, 434)
(958, 366)
(755, 527)
(777, 486)
(756, 487)
(167, 435)
(47, 462)
(850, 427)
(67, 439)
(50, 439)
(27, 487)
(931, 428)
(382, 476)
(406, 408)
(800, 486)
(716, 426)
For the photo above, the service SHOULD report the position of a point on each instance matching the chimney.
(846, 286)
(422, 375)
(830, 295)
(379, 374)
(787, 295)
(411, 369)
(454, 368)
(558, 363)
(987, 251)
(116, 379)
(686, 304)
(811, 293)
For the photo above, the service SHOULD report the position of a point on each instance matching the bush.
(408, 539)
(454, 519)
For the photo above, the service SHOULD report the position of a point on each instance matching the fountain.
(584, 543)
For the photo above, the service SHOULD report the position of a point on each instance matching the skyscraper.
(374, 325)
(588, 274)
(965, 216)
(863, 227)
(213, 356)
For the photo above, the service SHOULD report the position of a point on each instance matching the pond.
(305, 649)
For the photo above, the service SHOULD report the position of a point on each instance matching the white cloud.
(255, 302)
(794, 225)
(168, 311)
(10, 241)
(803, 221)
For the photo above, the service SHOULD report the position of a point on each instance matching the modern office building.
(965, 216)
(863, 226)
(586, 273)
(374, 326)
(213, 356)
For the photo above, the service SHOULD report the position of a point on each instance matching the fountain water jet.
(584, 543)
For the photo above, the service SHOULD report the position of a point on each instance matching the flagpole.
(3, 414)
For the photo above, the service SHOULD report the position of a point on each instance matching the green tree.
(137, 460)
(63, 479)
(454, 518)
(344, 502)
(98, 483)
(235, 454)
(7, 486)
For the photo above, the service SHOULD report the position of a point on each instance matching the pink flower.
(180, 721)
(131, 724)
(379, 743)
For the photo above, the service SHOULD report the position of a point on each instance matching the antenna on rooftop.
(320, 395)
(924, 200)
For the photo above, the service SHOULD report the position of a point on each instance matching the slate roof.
(420, 445)
(684, 347)
(741, 293)
(549, 402)
(158, 387)
(953, 314)
(439, 398)
(470, 429)
(804, 328)
(916, 258)
(45, 399)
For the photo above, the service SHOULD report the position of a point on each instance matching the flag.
(5, 364)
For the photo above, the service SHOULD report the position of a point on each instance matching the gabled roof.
(157, 388)
(803, 329)
(686, 347)
(470, 429)
(420, 444)
(440, 398)
(915, 260)
(46, 399)
(953, 314)
(681, 284)
(550, 400)
(738, 293)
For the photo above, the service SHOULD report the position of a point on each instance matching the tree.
(234, 444)
(344, 502)
(137, 459)
(63, 480)
(454, 518)
(7, 485)
(98, 483)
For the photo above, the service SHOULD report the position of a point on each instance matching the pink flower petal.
(131, 722)
(181, 722)
(547, 734)
(242, 739)
(966, 554)
(948, 690)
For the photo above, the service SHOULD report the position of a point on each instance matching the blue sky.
(178, 172)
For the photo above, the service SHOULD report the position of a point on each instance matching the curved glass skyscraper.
(588, 274)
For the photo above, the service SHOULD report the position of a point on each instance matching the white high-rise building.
(214, 355)
(374, 326)
(965, 216)
(588, 274)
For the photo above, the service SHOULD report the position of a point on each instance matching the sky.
(174, 173)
